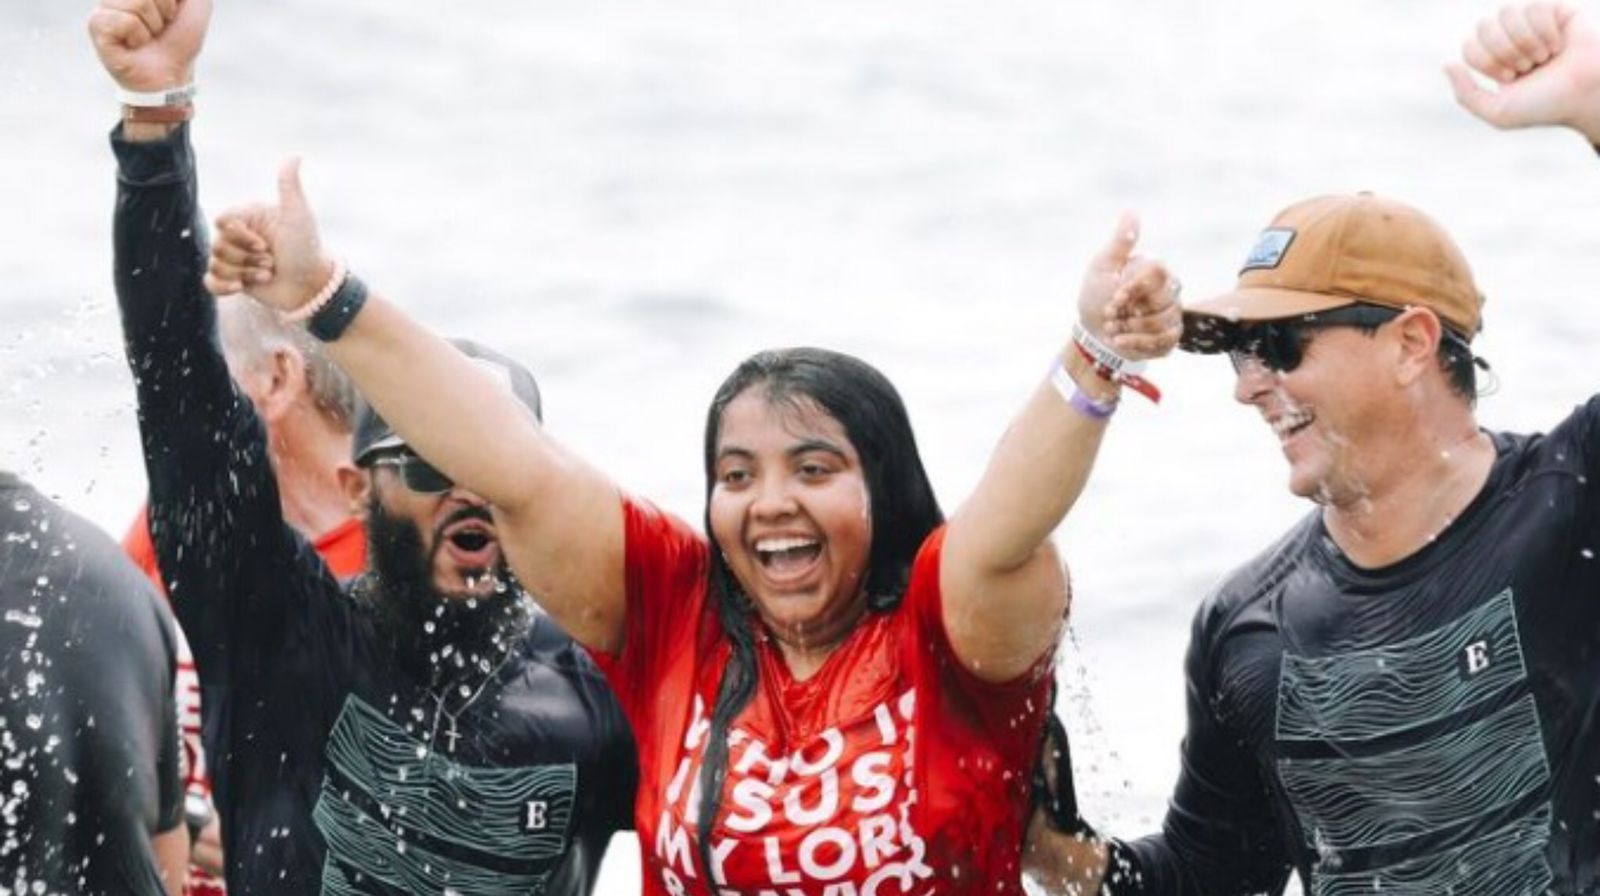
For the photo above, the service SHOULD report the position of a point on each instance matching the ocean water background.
(631, 197)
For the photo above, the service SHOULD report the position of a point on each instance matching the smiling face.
(453, 529)
(790, 511)
(1324, 413)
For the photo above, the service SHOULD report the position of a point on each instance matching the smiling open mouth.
(780, 554)
(1292, 422)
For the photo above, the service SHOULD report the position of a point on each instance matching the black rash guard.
(89, 758)
(1429, 727)
(336, 771)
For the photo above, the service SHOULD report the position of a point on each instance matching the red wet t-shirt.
(892, 770)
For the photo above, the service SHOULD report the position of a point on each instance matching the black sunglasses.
(417, 474)
(1280, 345)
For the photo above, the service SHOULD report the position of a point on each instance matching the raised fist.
(1545, 61)
(149, 45)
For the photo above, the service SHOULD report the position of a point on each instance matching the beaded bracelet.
(322, 296)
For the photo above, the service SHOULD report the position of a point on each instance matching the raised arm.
(1004, 589)
(1544, 60)
(560, 520)
(204, 449)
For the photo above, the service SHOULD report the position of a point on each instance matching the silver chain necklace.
(452, 735)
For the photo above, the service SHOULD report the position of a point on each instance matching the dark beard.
(436, 637)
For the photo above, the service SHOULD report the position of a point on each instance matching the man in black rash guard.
(425, 731)
(89, 756)
(1402, 695)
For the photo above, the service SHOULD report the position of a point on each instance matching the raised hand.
(1545, 61)
(149, 45)
(270, 252)
(1129, 300)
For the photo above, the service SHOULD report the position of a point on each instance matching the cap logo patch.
(1268, 250)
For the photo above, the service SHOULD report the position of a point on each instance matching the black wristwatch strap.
(331, 320)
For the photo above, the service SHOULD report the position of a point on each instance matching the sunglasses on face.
(416, 473)
(1280, 345)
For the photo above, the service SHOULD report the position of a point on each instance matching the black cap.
(373, 434)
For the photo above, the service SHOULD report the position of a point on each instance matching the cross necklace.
(452, 734)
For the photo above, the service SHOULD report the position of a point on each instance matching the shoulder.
(554, 663)
(1571, 444)
(1249, 587)
(74, 566)
(546, 644)
(662, 553)
(645, 521)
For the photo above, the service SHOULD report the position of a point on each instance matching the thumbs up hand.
(271, 252)
(1128, 300)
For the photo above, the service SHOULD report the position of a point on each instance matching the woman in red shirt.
(836, 692)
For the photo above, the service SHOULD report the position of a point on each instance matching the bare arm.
(206, 853)
(1061, 864)
(1544, 59)
(560, 520)
(1003, 585)
(172, 857)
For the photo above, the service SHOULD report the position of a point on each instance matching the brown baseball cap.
(1332, 251)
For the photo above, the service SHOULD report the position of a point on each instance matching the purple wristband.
(1088, 407)
(1078, 399)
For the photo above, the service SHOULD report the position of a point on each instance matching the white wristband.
(1104, 355)
(172, 96)
(1111, 366)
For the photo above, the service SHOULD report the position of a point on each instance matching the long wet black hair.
(903, 507)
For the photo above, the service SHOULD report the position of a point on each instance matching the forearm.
(1061, 864)
(1034, 477)
(448, 408)
(172, 857)
(204, 449)
(1004, 589)
(207, 851)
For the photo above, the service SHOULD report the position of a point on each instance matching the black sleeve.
(121, 667)
(1587, 422)
(1220, 836)
(625, 786)
(238, 576)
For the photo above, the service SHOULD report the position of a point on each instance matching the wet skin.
(791, 514)
(457, 534)
(1323, 411)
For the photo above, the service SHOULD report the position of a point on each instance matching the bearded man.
(423, 730)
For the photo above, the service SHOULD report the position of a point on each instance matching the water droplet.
(24, 618)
